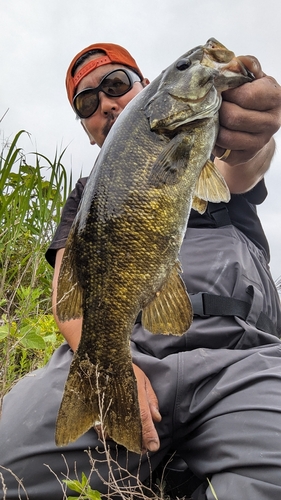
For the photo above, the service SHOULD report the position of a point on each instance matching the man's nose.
(107, 103)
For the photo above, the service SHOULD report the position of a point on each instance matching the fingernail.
(158, 414)
(153, 446)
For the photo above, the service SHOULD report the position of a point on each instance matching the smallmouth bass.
(121, 256)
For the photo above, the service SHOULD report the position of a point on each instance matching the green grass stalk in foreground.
(33, 190)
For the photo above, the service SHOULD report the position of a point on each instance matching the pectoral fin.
(172, 162)
(211, 185)
(69, 293)
(171, 311)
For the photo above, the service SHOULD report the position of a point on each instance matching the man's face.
(99, 124)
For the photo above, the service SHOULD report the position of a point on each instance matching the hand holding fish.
(148, 410)
(249, 116)
(149, 413)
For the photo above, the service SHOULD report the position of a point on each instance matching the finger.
(152, 401)
(252, 64)
(150, 395)
(146, 399)
(261, 95)
(242, 144)
(150, 439)
(234, 118)
(236, 158)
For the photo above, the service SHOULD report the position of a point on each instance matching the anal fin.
(171, 311)
(199, 205)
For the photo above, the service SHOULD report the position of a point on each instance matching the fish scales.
(121, 256)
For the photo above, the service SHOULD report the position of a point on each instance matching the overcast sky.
(38, 39)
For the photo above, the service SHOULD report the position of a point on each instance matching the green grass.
(33, 190)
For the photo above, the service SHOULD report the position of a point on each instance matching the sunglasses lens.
(86, 103)
(115, 84)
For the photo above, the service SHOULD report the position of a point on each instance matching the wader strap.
(219, 212)
(205, 305)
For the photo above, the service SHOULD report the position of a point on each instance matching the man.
(213, 394)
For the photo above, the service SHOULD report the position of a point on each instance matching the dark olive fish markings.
(121, 256)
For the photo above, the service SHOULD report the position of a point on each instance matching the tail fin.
(90, 396)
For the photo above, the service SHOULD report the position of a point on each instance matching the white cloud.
(39, 38)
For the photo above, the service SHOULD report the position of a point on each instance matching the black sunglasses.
(114, 84)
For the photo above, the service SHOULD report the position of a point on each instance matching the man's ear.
(92, 141)
(145, 82)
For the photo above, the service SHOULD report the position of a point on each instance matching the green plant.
(33, 190)
(82, 487)
(212, 489)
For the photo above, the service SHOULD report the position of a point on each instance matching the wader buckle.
(198, 304)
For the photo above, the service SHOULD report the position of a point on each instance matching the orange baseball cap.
(113, 54)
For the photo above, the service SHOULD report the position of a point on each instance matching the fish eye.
(183, 64)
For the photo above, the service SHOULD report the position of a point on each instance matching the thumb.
(253, 65)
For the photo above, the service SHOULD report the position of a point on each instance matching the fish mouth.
(207, 83)
(195, 100)
(186, 104)
(190, 117)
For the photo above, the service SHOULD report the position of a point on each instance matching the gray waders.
(219, 390)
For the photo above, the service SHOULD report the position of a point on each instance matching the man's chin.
(108, 126)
